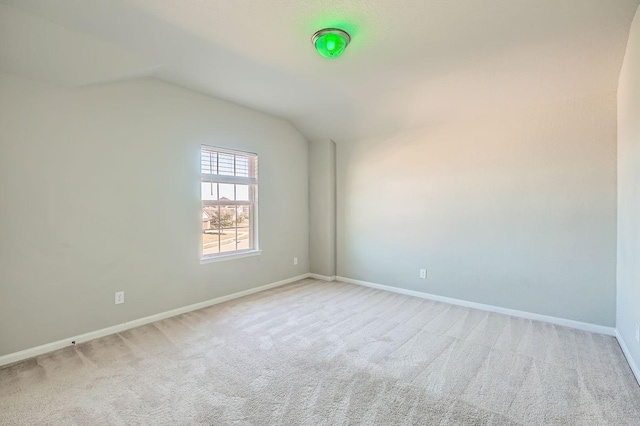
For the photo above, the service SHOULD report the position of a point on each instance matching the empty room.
(345, 212)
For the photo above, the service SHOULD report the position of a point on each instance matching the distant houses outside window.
(229, 185)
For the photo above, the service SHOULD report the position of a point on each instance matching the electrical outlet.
(637, 332)
(295, 260)
(119, 297)
(423, 274)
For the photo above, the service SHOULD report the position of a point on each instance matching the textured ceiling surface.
(411, 63)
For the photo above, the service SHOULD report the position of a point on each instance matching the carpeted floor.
(317, 353)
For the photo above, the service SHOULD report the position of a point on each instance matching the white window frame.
(252, 182)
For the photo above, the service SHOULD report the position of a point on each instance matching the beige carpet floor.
(316, 353)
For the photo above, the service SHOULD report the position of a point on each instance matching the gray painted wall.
(322, 207)
(628, 312)
(100, 192)
(514, 209)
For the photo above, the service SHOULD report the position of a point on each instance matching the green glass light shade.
(330, 42)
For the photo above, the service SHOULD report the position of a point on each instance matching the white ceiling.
(411, 63)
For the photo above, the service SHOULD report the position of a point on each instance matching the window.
(229, 186)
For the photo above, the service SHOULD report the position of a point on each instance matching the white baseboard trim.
(627, 354)
(322, 277)
(594, 328)
(50, 347)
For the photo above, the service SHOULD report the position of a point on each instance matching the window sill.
(222, 257)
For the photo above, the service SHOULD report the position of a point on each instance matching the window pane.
(244, 227)
(225, 164)
(227, 191)
(205, 162)
(242, 166)
(244, 242)
(228, 228)
(208, 214)
(209, 191)
(210, 243)
(242, 192)
(210, 233)
(244, 216)
(208, 162)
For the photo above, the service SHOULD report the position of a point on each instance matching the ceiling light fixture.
(330, 42)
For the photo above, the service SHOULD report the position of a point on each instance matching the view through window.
(229, 181)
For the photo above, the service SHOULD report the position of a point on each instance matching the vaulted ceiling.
(411, 63)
